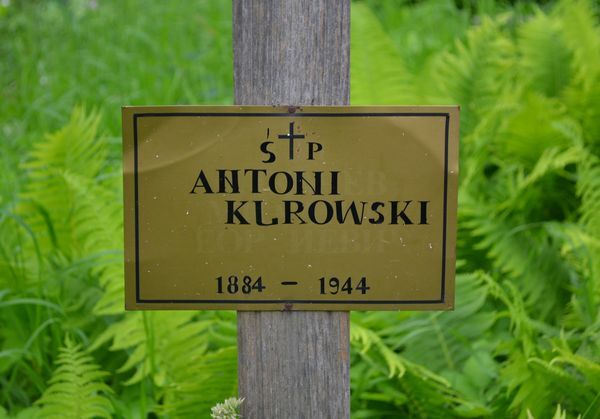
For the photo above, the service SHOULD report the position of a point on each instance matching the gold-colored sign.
(277, 208)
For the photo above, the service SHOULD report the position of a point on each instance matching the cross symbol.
(291, 136)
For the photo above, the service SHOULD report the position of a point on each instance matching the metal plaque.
(284, 208)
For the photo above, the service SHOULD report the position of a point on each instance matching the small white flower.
(229, 409)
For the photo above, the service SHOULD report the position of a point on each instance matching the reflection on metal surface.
(257, 208)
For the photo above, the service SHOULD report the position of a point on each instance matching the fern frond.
(150, 337)
(583, 105)
(441, 340)
(416, 390)
(199, 383)
(76, 388)
(189, 357)
(73, 152)
(97, 225)
(524, 252)
(364, 339)
(588, 367)
(531, 128)
(579, 23)
(557, 379)
(581, 31)
(475, 73)
(70, 198)
(74, 148)
(378, 73)
(545, 61)
(522, 325)
(588, 188)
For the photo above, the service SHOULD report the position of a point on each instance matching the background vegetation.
(524, 340)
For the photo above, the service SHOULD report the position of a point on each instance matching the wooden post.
(292, 52)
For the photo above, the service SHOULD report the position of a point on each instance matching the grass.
(56, 55)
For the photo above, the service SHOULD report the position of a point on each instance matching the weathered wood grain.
(294, 364)
(293, 52)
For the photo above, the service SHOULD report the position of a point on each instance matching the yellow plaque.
(280, 208)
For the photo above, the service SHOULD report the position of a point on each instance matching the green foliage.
(189, 359)
(545, 59)
(60, 238)
(379, 73)
(67, 279)
(528, 218)
(523, 340)
(76, 388)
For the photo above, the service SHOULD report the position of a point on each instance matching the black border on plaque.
(446, 115)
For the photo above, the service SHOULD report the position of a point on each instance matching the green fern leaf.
(76, 388)
(378, 74)
(189, 357)
(545, 61)
(477, 71)
(531, 128)
(588, 188)
(198, 385)
(415, 390)
(579, 23)
(71, 198)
